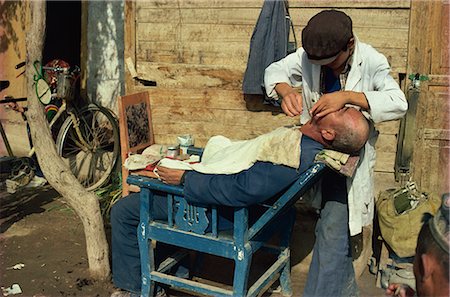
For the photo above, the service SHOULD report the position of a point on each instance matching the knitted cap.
(439, 224)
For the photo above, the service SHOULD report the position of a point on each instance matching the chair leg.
(285, 276)
(147, 262)
(151, 264)
(241, 272)
(146, 248)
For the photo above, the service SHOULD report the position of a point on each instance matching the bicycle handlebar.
(55, 69)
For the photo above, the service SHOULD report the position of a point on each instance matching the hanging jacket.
(268, 44)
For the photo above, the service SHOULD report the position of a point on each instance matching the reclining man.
(345, 130)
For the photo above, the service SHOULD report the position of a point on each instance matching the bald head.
(352, 131)
(345, 130)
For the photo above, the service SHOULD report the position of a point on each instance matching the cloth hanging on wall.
(269, 43)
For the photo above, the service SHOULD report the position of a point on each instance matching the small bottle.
(173, 151)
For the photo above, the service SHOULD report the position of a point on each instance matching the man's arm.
(387, 101)
(381, 97)
(258, 183)
(332, 102)
(281, 77)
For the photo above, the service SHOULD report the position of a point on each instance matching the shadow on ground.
(14, 207)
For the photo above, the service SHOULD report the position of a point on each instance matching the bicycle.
(88, 138)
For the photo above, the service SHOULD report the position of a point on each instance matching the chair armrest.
(154, 184)
(293, 193)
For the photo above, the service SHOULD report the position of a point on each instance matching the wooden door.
(428, 55)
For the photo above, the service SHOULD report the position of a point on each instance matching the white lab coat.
(369, 73)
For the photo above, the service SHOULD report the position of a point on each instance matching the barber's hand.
(292, 100)
(170, 176)
(399, 290)
(292, 104)
(329, 103)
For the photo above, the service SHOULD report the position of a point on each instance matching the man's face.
(340, 60)
(340, 116)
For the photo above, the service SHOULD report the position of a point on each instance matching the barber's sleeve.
(260, 182)
(387, 101)
(287, 70)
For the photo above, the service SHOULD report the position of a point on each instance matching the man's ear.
(351, 43)
(328, 134)
(427, 266)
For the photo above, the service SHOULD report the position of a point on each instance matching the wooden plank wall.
(197, 52)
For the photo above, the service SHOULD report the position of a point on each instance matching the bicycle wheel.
(92, 158)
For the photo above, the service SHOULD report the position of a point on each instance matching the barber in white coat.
(335, 69)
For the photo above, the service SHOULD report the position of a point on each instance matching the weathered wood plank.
(192, 76)
(384, 181)
(258, 3)
(224, 117)
(194, 32)
(361, 18)
(386, 143)
(385, 162)
(351, 3)
(370, 18)
(167, 132)
(210, 98)
(211, 53)
(391, 38)
(390, 127)
(164, 4)
(227, 54)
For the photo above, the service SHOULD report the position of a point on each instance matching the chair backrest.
(136, 131)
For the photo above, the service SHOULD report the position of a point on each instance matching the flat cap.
(325, 35)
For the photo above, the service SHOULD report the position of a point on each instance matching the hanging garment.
(269, 43)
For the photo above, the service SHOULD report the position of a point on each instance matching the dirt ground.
(46, 236)
(42, 233)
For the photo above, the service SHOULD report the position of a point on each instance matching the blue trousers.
(331, 271)
(126, 265)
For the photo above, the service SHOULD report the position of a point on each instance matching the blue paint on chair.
(191, 228)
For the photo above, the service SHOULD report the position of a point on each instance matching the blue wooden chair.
(196, 228)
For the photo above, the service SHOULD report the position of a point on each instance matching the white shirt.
(369, 74)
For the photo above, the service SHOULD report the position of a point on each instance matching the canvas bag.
(400, 226)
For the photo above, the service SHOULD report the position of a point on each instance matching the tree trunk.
(59, 176)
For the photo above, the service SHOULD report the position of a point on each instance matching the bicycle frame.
(89, 148)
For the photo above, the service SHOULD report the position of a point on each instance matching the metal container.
(173, 151)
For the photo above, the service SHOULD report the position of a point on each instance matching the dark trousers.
(126, 265)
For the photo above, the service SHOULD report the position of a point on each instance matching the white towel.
(224, 156)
